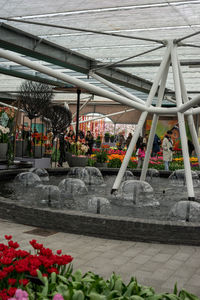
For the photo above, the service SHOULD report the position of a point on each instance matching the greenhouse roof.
(122, 41)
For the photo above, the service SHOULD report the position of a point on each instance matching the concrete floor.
(156, 265)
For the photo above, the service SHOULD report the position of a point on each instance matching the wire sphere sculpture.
(60, 118)
(34, 98)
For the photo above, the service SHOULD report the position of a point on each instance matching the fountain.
(82, 202)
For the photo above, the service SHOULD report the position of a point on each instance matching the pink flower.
(21, 295)
(58, 297)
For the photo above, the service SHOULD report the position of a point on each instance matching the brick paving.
(156, 265)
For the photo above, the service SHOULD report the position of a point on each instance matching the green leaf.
(135, 297)
(40, 276)
(95, 296)
(118, 285)
(130, 289)
(183, 294)
(53, 277)
(78, 275)
(63, 278)
(46, 287)
(78, 295)
(61, 288)
(175, 289)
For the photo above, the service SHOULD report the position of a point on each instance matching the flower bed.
(18, 266)
(44, 276)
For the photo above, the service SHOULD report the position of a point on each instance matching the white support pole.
(140, 123)
(106, 116)
(192, 111)
(190, 119)
(181, 121)
(189, 104)
(154, 123)
(116, 88)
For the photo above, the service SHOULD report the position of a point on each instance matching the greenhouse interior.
(100, 122)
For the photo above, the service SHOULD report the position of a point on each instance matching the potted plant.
(78, 151)
(101, 158)
(38, 141)
(112, 138)
(107, 137)
(6, 121)
(4, 131)
(98, 141)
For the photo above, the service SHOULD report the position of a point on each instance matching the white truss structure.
(184, 107)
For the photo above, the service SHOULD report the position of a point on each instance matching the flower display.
(17, 266)
(38, 138)
(78, 148)
(4, 134)
(8, 111)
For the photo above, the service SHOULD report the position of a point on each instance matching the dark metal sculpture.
(34, 98)
(60, 118)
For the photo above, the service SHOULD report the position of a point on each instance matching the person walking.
(167, 146)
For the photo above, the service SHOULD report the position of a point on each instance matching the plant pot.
(107, 139)
(101, 165)
(38, 151)
(68, 157)
(21, 148)
(112, 138)
(3, 151)
(78, 161)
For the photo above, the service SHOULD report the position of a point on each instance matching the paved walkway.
(154, 265)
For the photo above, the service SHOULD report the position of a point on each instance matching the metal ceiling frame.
(27, 44)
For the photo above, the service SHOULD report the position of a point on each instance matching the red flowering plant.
(18, 267)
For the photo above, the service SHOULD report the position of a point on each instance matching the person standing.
(167, 146)
(156, 145)
(141, 155)
(128, 140)
(62, 157)
(89, 140)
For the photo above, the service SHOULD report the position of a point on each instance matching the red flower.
(13, 245)
(12, 291)
(3, 274)
(51, 270)
(23, 282)
(59, 252)
(11, 281)
(8, 237)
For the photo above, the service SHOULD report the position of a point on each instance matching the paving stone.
(195, 280)
(193, 262)
(162, 274)
(185, 271)
(132, 252)
(173, 264)
(120, 260)
(142, 275)
(141, 259)
(181, 256)
(161, 257)
(151, 251)
(129, 268)
(151, 266)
